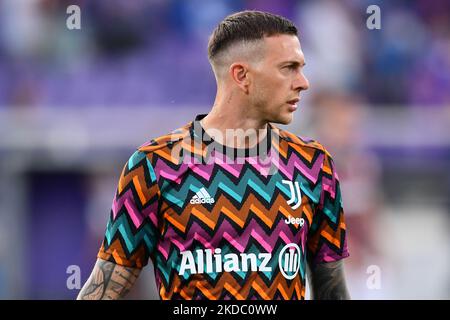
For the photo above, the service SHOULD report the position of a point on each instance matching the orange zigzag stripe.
(116, 253)
(329, 234)
(137, 178)
(228, 282)
(238, 216)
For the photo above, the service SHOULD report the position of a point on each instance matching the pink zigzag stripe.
(226, 227)
(203, 241)
(330, 189)
(118, 202)
(137, 217)
(294, 161)
(150, 212)
(284, 237)
(325, 253)
(179, 244)
(234, 169)
(162, 169)
(233, 242)
(163, 251)
(264, 169)
(171, 177)
(204, 170)
(260, 239)
(285, 172)
(198, 169)
(134, 213)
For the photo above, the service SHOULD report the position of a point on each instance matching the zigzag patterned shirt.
(227, 223)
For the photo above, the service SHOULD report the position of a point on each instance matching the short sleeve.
(327, 238)
(132, 229)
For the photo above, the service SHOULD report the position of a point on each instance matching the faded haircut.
(241, 33)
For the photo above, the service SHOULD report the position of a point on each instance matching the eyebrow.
(295, 63)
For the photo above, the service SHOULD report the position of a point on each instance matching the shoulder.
(301, 142)
(309, 149)
(159, 145)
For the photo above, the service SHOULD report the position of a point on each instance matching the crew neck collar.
(261, 149)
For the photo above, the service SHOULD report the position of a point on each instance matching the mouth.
(293, 101)
(293, 104)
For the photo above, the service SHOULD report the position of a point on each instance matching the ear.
(240, 76)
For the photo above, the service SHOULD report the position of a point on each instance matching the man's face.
(278, 79)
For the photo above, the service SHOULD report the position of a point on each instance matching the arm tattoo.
(108, 281)
(327, 281)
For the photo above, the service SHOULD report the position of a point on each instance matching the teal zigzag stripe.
(221, 181)
(121, 225)
(136, 158)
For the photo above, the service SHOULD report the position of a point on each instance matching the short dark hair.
(247, 25)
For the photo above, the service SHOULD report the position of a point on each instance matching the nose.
(300, 83)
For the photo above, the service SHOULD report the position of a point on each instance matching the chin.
(282, 119)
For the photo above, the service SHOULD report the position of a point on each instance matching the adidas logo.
(202, 196)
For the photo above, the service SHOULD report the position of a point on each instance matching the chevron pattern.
(192, 244)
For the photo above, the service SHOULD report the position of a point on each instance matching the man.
(239, 216)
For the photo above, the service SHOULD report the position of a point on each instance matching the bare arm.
(327, 281)
(108, 281)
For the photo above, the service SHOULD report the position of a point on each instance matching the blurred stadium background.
(75, 103)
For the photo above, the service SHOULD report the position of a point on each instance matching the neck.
(228, 114)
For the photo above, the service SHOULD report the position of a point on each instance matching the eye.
(291, 67)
